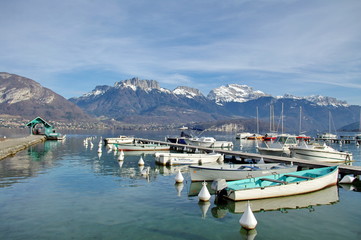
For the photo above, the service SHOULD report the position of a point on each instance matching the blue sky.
(277, 46)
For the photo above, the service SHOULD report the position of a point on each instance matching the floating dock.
(343, 169)
(10, 146)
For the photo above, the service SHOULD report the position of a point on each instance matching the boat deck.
(343, 169)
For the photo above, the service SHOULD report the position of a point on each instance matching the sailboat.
(272, 134)
(256, 136)
(301, 136)
(327, 135)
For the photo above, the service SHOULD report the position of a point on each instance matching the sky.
(298, 47)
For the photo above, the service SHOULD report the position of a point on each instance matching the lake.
(63, 190)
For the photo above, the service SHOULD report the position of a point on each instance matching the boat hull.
(141, 147)
(322, 156)
(281, 152)
(233, 172)
(273, 189)
(186, 158)
(119, 140)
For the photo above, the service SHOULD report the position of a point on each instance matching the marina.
(344, 169)
(66, 190)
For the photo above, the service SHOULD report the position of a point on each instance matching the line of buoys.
(248, 220)
(204, 194)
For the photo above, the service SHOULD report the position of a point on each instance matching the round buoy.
(141, 162)
(100, 149)
(204, 194)
(248, 220)
(179, 177)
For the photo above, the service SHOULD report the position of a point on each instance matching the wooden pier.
(343, 169)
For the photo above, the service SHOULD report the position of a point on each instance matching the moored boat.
(208, 142)
(327, 136)
(180, 140)
(279, 185)
(243, 135)
(186, 158)
(141, 147)
(280, 147)
(119, 140)
(231, 171)
(319, 152)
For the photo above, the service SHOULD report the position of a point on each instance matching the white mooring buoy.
(179, 177)
(347, 179)
(248, 220)
(204, 194)
(141, 161)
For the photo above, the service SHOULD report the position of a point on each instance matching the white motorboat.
(119, 140)
(243, 135)
(186, 158)
(231, 172)
(319, 152)
(280, 185)
(208, 142)
(280, 147)
(141, 147)
(327, 136)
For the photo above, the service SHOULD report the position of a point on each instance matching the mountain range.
(27, 98)
(144, 102)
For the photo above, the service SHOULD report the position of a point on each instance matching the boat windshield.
(286, 140)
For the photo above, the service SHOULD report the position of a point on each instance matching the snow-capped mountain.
(234, 93)
(187, 92)
(318, 100)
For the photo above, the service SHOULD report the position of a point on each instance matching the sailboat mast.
(300, 120)
(257, 120)
(282, 119)
(359, 127)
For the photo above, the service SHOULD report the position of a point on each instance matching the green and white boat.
(279, 185)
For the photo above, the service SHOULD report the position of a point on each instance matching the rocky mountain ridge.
(25, 97)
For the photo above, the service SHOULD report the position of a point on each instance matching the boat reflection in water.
(325, 196)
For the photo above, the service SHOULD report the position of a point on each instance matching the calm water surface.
(63, 190)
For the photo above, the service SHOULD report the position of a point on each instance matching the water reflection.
(28, 163)
(323, 197)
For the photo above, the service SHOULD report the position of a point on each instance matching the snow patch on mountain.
(234, 93)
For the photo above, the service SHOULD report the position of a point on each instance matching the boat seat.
(297, 176)
(273, 180)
